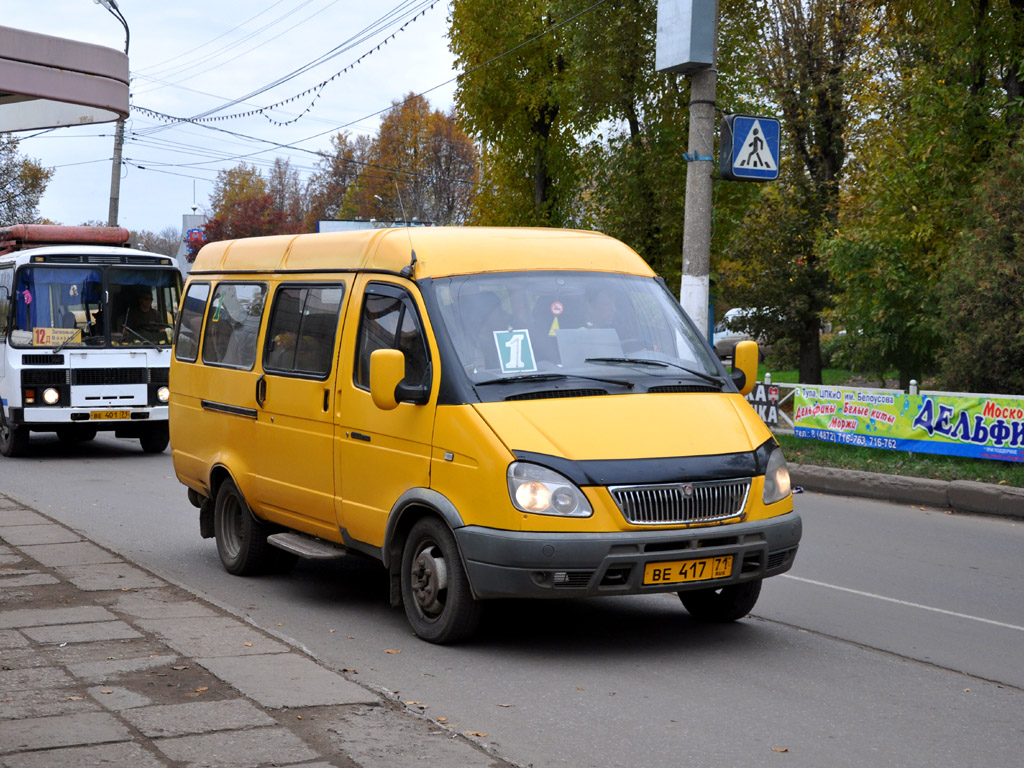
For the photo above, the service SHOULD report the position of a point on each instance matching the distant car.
(726, 335)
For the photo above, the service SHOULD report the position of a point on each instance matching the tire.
(723, 604)
(241, 538)
(13, 440)
(155, 439)
(435, 589)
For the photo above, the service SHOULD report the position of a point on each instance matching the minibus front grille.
(47, 377)
(108, 376)
(682, 503)
(548, 394)
(159, 375)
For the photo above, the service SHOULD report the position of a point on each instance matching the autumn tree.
(420, 165)
(22, 184)
(167, 241)
(245, 204)
(338, 170)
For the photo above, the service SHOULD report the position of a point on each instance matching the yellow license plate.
(688, 570)
(109, 415)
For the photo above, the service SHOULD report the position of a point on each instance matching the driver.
(143, 318)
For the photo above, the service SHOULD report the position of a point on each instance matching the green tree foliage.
(514, 97)
(982, 308)
(946, 89)
(809, 64)
(22, 184)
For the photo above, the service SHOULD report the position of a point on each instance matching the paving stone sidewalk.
(104, 664)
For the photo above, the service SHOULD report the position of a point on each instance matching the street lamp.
(115, 171)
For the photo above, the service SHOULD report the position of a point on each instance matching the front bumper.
(49, 418)
(527, 564)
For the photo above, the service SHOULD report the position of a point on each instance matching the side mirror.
(387, 369)
(744, 366)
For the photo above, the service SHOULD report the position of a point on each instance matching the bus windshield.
(70, 306)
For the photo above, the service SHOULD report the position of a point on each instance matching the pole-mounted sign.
(749, 148)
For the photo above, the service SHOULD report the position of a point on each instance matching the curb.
(957, 495)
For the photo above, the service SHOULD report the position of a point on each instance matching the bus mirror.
(387, 369)
(744, 359)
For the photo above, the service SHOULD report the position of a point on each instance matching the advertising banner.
(978, 426)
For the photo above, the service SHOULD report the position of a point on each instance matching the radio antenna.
(409, 270)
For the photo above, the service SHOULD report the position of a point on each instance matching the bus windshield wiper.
(659, 363)
(78, 333)
(138, 336)
(553, 377)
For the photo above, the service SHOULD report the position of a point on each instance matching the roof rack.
(20, 236)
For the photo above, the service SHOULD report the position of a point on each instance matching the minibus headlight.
(776, 478)
(163, 394)
(51, 396)
(542, 491)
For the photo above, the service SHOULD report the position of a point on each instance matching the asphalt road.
(896, 640)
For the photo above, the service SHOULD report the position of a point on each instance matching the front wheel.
(241, 538)
(723, 604)
(13, 440)
(155, 439)
(435, 589)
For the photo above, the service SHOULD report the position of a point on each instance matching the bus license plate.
(688, 570)
(109, 415)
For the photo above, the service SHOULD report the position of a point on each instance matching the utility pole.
(115, 170)
(694, 289)
(687, 44)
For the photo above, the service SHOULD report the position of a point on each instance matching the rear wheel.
(13, 440)
(241, 538)
(155, 439)
(723, 604)
(435, 589)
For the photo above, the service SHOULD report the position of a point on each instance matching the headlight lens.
(776, 478)
(51, 396)
(163, 394)
(542, 491)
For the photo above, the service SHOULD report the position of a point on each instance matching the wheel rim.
(429, 580)
(231, 527)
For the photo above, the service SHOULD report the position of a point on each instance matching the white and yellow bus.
(85, 336)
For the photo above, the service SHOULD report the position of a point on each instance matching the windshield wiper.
(658, 363)
(67, 341)
(553, 377)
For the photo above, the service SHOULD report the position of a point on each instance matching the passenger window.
(190, 322)
(389, 321)
(233, 324)
(300, 336)
(6, 286)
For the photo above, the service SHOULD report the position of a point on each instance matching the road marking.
(904, 602)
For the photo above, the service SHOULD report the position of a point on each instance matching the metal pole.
(694, 286)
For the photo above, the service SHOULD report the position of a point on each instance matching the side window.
(233, 324)
(389, 321)
(6, 287)
(303, 323)
(190, 322)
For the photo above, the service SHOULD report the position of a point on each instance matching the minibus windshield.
(586, 324)
(70, 306)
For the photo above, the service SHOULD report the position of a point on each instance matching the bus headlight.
(542, 491)
(51, 396)
(163, 394)
(776, 478)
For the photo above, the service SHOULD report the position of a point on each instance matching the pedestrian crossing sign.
(749, 148)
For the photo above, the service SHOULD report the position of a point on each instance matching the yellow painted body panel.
(641, 426)
(440, 251)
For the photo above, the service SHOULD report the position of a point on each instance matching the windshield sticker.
(515, 351)
(47, 337)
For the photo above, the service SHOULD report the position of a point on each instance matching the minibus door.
(383, 453)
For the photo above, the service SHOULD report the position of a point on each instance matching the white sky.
(190, 56)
